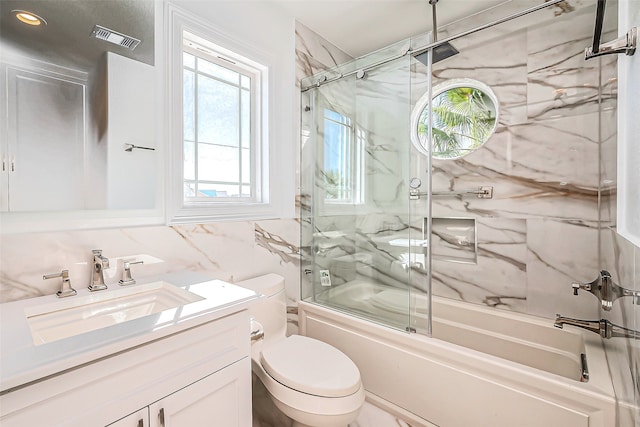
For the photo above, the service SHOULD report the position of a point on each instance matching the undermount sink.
(77, 315)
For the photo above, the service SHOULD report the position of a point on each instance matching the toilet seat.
(311, 366)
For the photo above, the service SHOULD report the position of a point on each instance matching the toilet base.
(305, 419)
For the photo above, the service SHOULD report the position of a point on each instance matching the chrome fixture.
(584, 368)
(441, 51)
(126, 272)
(602, 327)
(532, 9)
(625, 44)
(418, 51)
(606, 290)
(257, 330)
(65, 288)
(130, 147)
(407, 266)
(100, 263)
(485, 192)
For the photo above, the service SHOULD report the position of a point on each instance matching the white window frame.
(273, 202)
(214, 55)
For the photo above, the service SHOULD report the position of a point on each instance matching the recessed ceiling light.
(29, 18)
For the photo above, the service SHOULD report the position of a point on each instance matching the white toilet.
(310, 381)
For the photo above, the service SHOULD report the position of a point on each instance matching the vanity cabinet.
(217, 400)
(200, 376)
(137, 419)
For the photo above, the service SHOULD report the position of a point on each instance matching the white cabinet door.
(222, 399)
(137, 419)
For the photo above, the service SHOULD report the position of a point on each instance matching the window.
(220, 126)
(465, 116)
(229, 119)
(343, 160)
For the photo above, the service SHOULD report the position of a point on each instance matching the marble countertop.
(23, 362)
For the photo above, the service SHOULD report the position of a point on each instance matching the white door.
(44, 159)
(222, 399)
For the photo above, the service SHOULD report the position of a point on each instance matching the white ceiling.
(362, 26)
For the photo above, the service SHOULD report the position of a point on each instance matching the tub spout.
(602, 327)
(589, 325)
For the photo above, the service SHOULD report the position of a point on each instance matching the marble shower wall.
(539, 232)
(622, 259)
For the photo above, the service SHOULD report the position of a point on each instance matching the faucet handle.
(606, 290)
(579, 285)
(65, 288)
(126, 272)
(97, 255)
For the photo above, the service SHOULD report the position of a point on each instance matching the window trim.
(277, 182)
(256, 95)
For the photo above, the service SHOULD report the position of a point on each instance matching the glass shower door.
(363, 238)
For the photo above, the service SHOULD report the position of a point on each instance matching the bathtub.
(481, 367)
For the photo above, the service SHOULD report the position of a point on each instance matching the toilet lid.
(311, 366)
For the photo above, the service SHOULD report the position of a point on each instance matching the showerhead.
(443, 51)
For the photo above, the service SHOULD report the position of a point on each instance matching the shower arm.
(435, 20)
(532, 9)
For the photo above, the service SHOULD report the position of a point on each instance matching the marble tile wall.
(230, 251)
(542, 162)
(621, 258)
(539, 232)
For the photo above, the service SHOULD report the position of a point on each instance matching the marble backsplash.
(230, 251)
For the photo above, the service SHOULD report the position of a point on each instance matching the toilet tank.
(270, 311)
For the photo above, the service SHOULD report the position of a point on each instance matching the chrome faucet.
(606, 290)
(100, 263)
(602, 327)
(126, 272)
(65, 288)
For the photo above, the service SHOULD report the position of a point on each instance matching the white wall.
(260, 30)
(131, 120)
(628, 129)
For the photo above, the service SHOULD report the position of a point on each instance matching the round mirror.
(465, 115)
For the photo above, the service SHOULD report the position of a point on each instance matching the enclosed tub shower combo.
(441, 183)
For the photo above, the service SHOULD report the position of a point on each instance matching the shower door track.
(324, 80)
(484, 27)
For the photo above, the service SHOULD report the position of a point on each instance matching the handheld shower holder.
(606, 290)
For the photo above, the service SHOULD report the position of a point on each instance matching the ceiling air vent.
(114, 37)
